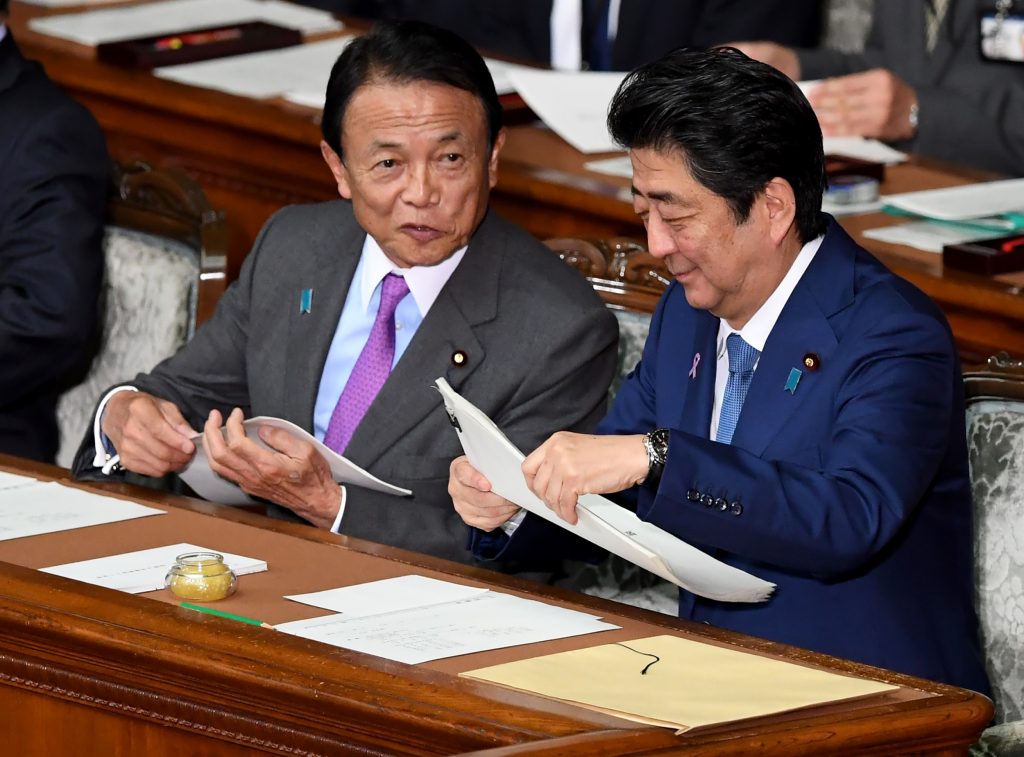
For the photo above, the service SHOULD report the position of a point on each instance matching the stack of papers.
(29, 509)
(173, 16)
(414, 619)
(954, 215)
(209, 485)
(601, 521)
(144, 570)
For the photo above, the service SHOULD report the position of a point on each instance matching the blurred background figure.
(924, 82)
(613, 35)
(53, 193)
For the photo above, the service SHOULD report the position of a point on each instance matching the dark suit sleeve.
(53, 190)
(888, 437)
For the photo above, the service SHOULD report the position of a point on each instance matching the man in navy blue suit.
(54, 173)
(798, 409)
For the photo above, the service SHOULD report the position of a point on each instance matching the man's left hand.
(874, 104)
(294, 474)
(568, 465)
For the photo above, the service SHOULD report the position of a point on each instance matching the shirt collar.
(425, 281)
(756, 331)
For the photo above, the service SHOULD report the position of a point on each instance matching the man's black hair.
(402, 52)
(735, 122)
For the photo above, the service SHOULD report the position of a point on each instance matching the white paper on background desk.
(964, 203)
(43, 508)
(573, 104)
(388, 595)
(12, 480)
(501, 72)
(69, 3)
(487, 621)
(928, 236)
(144, 570)
(170, 16)
(620, 166)
(209, 485)
(297, 73)
(601, 521)
(864, 149)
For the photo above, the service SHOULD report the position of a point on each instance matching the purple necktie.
(371, 369)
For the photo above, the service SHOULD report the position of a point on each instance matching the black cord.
(645, 654)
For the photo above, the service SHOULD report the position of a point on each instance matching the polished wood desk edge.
(239, 657)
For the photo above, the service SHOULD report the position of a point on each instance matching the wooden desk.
(86, 670)
(254, 157)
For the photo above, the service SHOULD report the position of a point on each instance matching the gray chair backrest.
(995, 436)
(164, 264)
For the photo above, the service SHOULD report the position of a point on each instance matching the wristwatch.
(656, 445)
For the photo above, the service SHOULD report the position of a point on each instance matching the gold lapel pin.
(459, 358)
(811, 361)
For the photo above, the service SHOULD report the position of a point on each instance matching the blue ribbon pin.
(793, 380)
(306, 301)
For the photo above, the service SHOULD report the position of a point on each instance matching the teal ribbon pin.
(793, 380)
(306, 301)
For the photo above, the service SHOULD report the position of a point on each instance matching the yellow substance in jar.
(203, 578)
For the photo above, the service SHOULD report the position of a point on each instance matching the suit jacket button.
(707, 500)
(693, 495)
(721, 504)
(736, 508)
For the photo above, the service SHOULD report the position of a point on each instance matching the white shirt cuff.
(105, 461)
(336, 528)
(510, 526)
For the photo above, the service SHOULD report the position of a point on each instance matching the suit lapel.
(310, 334)
(803, 328)
(469, 298)
(10, 62)
(697, 375)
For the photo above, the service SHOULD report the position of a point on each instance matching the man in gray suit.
(925, 82)
(345, 312)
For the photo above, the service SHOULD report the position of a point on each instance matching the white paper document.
(573, 104)
(601, 521)
(388, 595)
(12, 480)
(928, 236)
(209, 485)
(488, 620)
(620, 166)
(297, 73)
(171, 16)
(971, 202)
(144, 570)
(69, 3)
(864, 149)
(43, 508)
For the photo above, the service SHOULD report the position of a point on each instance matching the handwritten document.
(209, 485)
(601, 521)
(144, 570)
(397, 626)
(43, 508)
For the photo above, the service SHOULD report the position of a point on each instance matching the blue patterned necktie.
(742, 359)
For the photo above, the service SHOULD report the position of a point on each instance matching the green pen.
(222, 614)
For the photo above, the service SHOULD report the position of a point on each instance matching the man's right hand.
(151, 435)
(473, 499)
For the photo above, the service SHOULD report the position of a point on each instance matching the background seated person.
(54, 172)
(408, 278)
(798, 409)
(615, 35)
(922, 83)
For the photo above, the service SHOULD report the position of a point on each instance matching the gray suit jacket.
(540, 345)
(971, 109)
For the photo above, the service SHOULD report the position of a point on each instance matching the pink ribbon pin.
(693, 368)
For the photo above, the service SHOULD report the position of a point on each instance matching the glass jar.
(201, 577)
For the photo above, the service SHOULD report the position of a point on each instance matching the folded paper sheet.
(601, 521)
(690, 684)
(209, 485)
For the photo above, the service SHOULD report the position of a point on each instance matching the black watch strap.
(656, 445)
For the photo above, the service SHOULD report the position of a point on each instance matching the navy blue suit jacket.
(54, 175)
(850, 493)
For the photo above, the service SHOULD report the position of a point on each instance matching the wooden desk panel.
(86, 670)
(254, 157)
